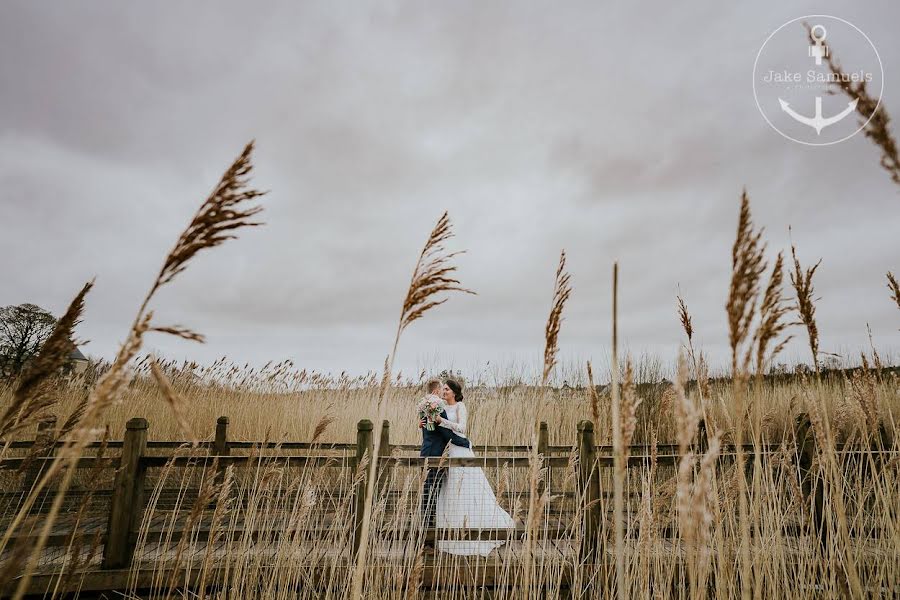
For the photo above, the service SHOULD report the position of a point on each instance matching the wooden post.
(702, 437)
(43, 448)
(589, 490)
(543, 438)
(812, 486)
(365, 445)
(543, 443)
(220, 446)
(127, 500)
(45, 428)
(384, 455)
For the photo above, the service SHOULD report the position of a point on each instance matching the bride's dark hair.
(456, 387)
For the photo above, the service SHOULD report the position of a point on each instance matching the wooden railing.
(127, 503)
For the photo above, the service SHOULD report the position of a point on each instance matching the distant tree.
(23, 330)
(449, 374)
(779, 369)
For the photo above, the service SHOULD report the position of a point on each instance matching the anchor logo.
(818, 122)
(795, 80)
(818, 50)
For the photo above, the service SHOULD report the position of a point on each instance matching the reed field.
(280, 403)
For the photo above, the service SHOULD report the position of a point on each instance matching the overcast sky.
(613, 130)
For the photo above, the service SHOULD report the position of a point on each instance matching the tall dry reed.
(219, 217)
(432, 276)
(894, 287)
(802, 280)
(872, 113)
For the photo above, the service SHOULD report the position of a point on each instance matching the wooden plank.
(85, 462)
(207, 460)
(293, 445)
(561, 531)
(274, 533)
(110, 580)
(410, 461)
(89, 462)
(853, 447)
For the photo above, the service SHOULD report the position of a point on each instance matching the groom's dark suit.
(433, 444)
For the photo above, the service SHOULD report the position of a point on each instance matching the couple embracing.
(455, 497)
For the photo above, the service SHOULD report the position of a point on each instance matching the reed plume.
(432, 276)
(688, 326)
(685, 317)
(31, 397)
(593, 397)
(224, 212)
(322, 426)
(802, 282)
(873, 116)
(773, 309)
(894, 287)
(747, 267)
(698, 362)
(562, 289)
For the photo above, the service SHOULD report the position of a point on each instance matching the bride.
(466, 499)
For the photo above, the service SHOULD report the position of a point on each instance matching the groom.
(433, 444)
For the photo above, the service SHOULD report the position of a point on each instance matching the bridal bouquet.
(429, 407)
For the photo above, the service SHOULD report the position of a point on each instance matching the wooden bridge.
(144, 515)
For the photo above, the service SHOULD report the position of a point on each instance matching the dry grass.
(257, 402)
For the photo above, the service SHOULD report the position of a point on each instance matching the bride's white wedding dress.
(466, 498)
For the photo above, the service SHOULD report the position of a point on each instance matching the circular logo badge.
(799, 74)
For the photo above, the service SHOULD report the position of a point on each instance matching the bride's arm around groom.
(462, 419)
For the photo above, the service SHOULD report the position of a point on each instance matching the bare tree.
(23, 330)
